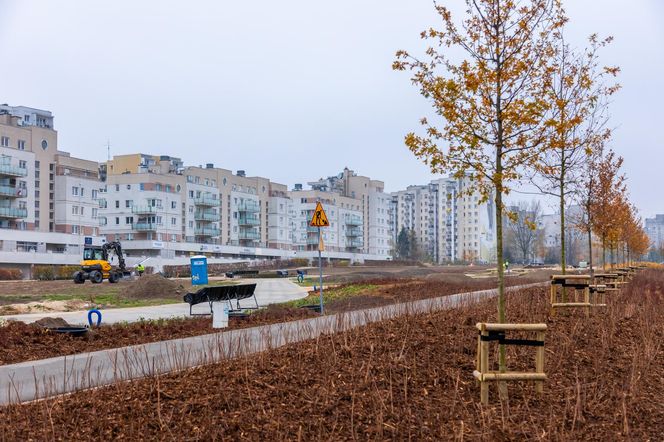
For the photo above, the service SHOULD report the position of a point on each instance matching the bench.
(223, 293)
(235, 273)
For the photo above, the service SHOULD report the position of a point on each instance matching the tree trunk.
(563, 260)
(604, 252)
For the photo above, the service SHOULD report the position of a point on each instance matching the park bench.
(224, 293)
(235, 273)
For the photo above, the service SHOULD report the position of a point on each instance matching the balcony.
(13, 212)
(144, 210)
(354, 243)
(353, 232)
(249, 206)
(248, 221)
(206, 201)
(353, 220)
(13, 171)
(12, 192)
(207, 231)
(206, 216)
(146, 227)
(249, 235)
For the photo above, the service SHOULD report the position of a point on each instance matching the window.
(141, 186)
(4, 141)
(75, 230)
(128, 186)
(94, 194)
(129, 220)
(51, 167)
(74, 210)
(117, 187)
(174, 205)
(95, 212)
(36, 164)
(74, 191)
(117, 204)
(129, 203)
(173, 221)
(117, 220)
(158, 187)
(36, 174)
(22, 164)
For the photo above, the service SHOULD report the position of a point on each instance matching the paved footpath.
(268, 291)
(32, 380)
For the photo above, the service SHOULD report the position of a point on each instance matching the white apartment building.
(655, 230)
(158, 207)
(449, 225)
(373, 202)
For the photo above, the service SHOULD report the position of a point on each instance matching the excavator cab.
(96, 267)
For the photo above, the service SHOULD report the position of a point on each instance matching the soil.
(26, 342)
(154, 287)
(408, 378)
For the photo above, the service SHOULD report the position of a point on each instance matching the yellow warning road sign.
(320, 218)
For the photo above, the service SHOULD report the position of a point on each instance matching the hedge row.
(10, 274)
(51, 273)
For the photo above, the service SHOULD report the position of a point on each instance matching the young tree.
(492, 105)
(605, 207)
(579, 95)
(587, 196)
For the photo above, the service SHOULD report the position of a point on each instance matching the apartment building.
(346, 217)
(373, 202)
(47, 197)
(655, 230)
(449, 225)
(51, 202)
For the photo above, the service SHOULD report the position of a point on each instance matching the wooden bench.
(496, 332)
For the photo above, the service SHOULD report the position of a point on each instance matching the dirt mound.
(52, 323)
(154, 287)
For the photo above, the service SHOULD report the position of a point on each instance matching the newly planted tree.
(605, 207)
(492, 106)
(579, 95)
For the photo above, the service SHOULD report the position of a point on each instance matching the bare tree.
(523, 228)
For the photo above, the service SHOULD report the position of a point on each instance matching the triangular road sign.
(320, 218)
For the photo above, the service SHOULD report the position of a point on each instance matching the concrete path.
(33, 380)
(268, 291)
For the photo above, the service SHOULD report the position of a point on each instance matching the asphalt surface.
(268, 291)
(34, 380)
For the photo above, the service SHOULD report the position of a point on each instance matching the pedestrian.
(140, 269)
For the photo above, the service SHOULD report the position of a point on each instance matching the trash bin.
(199, 274)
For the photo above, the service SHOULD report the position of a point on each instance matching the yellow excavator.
(96, 266)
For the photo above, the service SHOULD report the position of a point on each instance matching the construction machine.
(96, 266)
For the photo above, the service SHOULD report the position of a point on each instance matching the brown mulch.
(27, 342)
(23, 342)
(408, 378)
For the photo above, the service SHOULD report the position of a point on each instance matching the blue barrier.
(96, 312)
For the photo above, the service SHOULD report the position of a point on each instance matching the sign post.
(319, 219)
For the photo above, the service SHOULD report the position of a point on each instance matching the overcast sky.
(291, 90)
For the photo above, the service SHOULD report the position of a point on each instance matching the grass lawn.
(332, 294)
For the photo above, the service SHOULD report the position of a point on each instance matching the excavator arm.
(117, 248)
